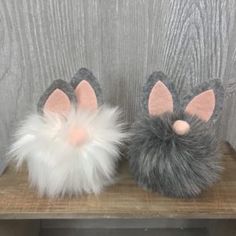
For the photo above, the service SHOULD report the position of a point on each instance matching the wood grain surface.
(122, 200)
(122, 42)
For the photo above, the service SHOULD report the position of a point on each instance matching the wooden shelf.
(122, 200)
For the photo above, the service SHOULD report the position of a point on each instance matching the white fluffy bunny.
(71, 145)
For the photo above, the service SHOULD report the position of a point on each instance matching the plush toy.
(174, 148)
(71, 145)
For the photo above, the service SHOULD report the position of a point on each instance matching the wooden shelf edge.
(124, 200)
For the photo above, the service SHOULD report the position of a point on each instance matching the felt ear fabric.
(174, 149)
(71, 145)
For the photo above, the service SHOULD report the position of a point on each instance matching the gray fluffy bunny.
(174, 149)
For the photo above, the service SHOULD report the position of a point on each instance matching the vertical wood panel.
(122, 41)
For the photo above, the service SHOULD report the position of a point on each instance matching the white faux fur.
(57, 168)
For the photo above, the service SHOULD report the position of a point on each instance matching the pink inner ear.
(202, 105)
(86, 96)
(160, 100)
(57, 102)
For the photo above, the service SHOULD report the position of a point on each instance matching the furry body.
(179, 166)
(55, 166)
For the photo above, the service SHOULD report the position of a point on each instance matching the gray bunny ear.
(205, 101)
(59, 98)
(87, 89)
(159, 95)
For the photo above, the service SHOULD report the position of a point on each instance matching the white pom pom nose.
(181, 127)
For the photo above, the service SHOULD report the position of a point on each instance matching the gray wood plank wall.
(122, 42)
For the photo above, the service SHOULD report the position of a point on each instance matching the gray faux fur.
(175, 165)
(85, 74)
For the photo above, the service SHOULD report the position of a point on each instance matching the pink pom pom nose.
(77, 136)
(181, 127)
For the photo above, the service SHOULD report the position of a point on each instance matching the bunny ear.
(206, 101)
(58, 98)
(159, 95)
(87, 89)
